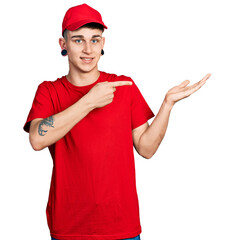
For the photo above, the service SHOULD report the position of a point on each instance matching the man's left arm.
(148, 140)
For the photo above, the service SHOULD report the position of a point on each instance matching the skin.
(147, 138)
(182, 91)
(83, 43)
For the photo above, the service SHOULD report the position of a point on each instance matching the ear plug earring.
(64, 52)
(102, 52)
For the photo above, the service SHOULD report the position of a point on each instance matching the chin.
(87, 69)
(81, 67)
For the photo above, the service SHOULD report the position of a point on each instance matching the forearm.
(46, 132)
(154, 134)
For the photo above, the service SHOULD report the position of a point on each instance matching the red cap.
(80, 15)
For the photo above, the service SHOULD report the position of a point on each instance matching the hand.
(103, 93)
(183, 90)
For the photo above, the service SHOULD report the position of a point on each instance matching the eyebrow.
(82, 36)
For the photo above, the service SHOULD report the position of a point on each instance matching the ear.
(62, 43)
(103, 42)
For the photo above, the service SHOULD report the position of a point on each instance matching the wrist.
(168, 104)
(89, 104)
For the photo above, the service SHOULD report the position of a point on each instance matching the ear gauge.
(64, 52)
(102, 52)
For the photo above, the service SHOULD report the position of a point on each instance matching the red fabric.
(80, 15)
(93, 189)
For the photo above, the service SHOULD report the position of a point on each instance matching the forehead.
(86, 32)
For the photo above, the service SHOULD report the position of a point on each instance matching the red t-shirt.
(93, 189)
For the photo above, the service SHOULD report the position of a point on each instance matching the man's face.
(84, 47)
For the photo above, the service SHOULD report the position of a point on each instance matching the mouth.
(86, 59)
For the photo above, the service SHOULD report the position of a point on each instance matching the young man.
(90, 120)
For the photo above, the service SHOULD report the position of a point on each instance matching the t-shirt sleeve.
(140, 110)
(42, 106)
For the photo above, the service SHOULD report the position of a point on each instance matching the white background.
(186, 190)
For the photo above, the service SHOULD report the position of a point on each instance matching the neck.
(79, 78)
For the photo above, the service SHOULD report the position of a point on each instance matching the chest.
(114, 117)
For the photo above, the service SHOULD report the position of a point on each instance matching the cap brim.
(79, 24)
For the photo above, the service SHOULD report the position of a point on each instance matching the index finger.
(120, 83)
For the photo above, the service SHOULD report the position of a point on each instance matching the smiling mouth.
(87, 59)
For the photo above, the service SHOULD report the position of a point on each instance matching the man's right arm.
(45, 132)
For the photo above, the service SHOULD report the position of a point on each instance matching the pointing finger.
(120, 83)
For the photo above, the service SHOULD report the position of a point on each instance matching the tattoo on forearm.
(44, 124)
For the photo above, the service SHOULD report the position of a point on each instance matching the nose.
(87, 48)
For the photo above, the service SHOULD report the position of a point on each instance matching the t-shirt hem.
(96, 237)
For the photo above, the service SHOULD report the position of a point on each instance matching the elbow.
(149, 153)
(35, 143)
(36, 147)
(147, 156)
(149, 149)
(145, 152)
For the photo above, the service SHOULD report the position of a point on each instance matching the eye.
(94, 41)
(78, 41)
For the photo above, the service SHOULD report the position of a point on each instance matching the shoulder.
(111, 77)
(50, 85)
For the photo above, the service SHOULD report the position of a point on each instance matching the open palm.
(183, 90)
